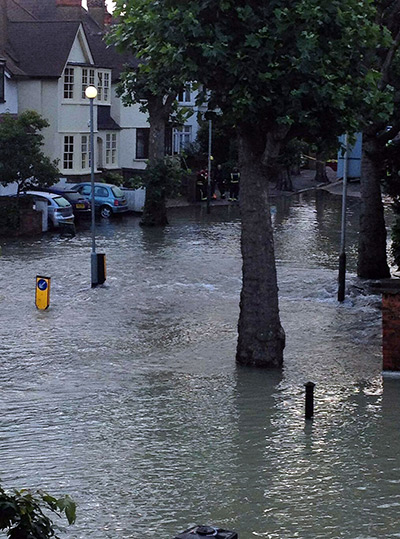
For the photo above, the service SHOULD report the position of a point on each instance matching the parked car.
(108, 199)
(80, 205)
(59, 209)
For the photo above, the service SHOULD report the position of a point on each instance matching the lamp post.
(342, 255)
(91, 94)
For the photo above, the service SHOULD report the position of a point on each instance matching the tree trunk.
(155, 209)
(261, 337)
(372, 262)
(320, 170)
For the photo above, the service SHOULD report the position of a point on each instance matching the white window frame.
(68, 83)
(182, 138)
(85, 152)
(88, 79)
(68, 152)
(111, 149)
(103, 86)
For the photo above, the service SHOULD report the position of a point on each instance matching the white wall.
(10, 189)
(11, 96)
(129, 119)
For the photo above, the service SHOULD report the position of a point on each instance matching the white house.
(58, 50)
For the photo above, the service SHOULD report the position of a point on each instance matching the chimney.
(98, 11)
(68, 10)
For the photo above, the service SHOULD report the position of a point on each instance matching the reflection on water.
(128, 397)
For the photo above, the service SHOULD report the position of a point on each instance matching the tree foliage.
(277, 70)
(385, 62)
(21, 157)
(153, 82)
(23, 513)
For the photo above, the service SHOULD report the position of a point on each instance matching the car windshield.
(62, 202)
(117, 192)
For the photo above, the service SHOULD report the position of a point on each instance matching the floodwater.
(127, 397)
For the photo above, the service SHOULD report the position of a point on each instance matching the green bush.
(23, 513)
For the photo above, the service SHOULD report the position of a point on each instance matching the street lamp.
(342, 255)
(91, 94)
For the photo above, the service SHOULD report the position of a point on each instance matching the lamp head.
(90, 92)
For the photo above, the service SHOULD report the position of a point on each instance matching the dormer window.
(87, 80)
(103, 86)
(69, 83)
(2, 81)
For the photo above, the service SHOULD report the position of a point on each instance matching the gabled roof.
(33, 47)
(42, 47)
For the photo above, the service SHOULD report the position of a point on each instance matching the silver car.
(59, 209)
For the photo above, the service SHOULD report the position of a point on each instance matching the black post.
(342, 277)
(209, 167)
(309, 399)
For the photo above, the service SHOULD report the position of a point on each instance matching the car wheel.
(105, 211)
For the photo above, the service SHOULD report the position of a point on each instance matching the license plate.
(80, 206)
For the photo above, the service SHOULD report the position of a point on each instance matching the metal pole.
(93, 257)
(209, 167)
(342, 255)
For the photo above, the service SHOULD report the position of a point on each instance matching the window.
(142, 143)
(61, 202)
(100, 192)
(68, 154)
(87, 80)
(184, 96)
(2, 83)
(68, 83)
(85, 152)
(106, 81)
(100, 86)
(182, 138)
(111, 148)
(103, 86)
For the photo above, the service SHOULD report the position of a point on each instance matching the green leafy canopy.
(23, 513)
(21, 157)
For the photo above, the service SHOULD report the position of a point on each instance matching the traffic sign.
(42, 292)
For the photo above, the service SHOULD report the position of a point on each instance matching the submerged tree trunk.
(155, 209)
(320, 170)
(372, 261)
(261, 337)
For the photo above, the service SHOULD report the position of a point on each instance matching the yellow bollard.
(42, 298)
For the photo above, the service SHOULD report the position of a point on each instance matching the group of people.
(226, 182)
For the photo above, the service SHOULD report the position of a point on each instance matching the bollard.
(42, 296)
(98, 268)
(309, 399)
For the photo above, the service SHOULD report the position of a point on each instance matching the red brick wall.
(391, 331)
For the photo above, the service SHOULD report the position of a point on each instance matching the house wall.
(11, 96)
(42, 96)
(129, 118)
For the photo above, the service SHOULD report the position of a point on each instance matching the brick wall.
(391, 331)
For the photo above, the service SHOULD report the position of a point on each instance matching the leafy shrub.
(23, 513)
